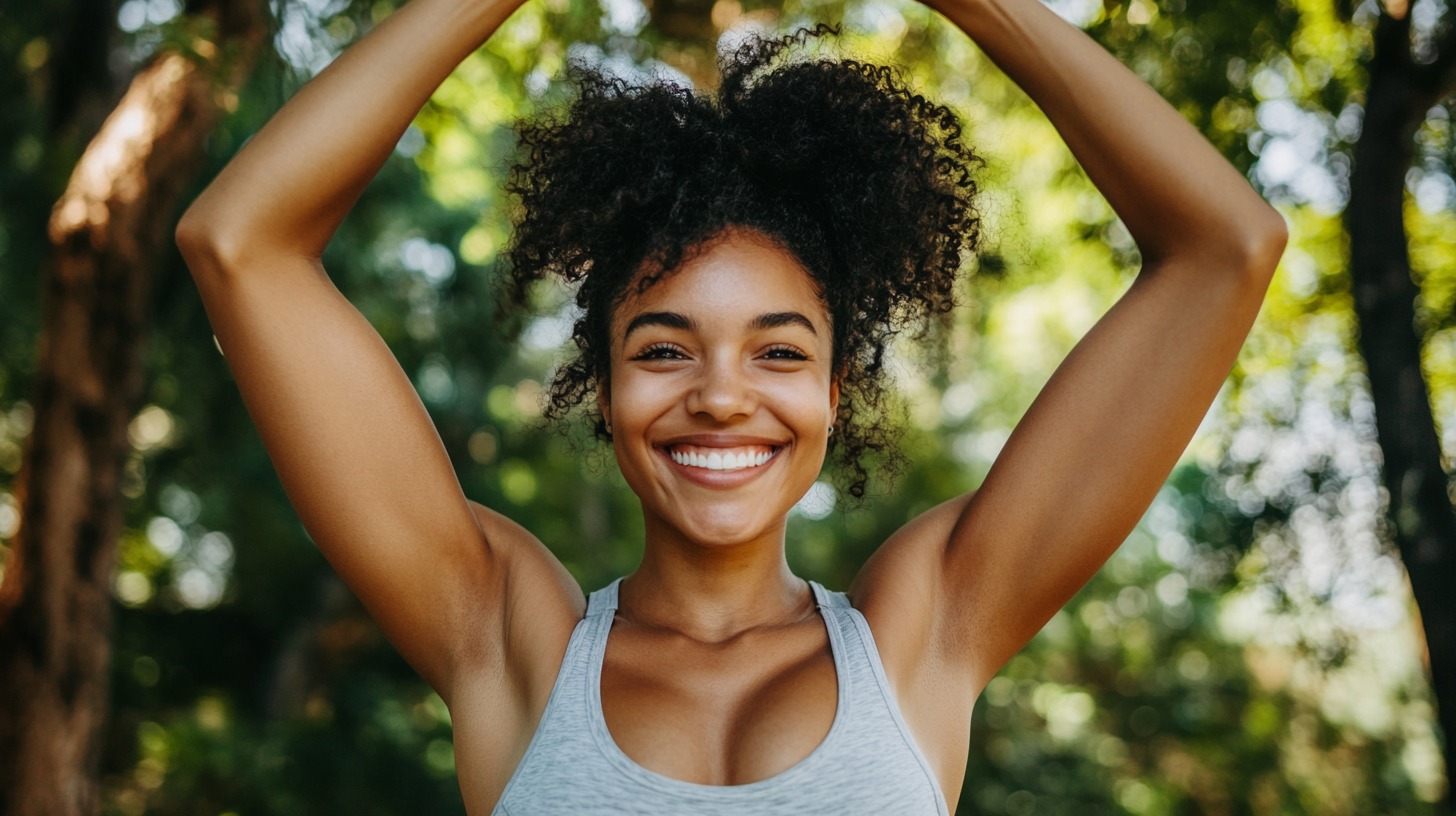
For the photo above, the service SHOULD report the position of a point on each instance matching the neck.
(713, 593)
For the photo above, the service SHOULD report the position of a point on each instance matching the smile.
(722, 458)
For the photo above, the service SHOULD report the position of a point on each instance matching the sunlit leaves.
(1247, 651)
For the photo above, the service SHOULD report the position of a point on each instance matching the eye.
(660, 351)
(785, 353)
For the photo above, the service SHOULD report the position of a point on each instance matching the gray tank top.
(868, 762)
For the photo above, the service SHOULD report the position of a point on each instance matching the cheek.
(636, 399)
(805, 402)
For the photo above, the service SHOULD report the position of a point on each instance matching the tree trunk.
(107, 231)
(1420, 512)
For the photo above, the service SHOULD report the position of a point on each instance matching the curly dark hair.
(866, 182)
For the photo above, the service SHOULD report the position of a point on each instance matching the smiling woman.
(742, 259)
(703, 379)
(864, 185)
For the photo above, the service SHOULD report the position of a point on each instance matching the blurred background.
(172, 643)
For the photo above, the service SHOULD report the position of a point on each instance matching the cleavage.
(732, 713)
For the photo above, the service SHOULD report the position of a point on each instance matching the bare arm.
(1090, 454)
(357, 454)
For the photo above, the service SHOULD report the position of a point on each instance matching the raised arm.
(356, 452)
(1087, 459)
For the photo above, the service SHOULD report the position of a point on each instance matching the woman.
(738, 296)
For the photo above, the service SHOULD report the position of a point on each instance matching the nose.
(722, 391)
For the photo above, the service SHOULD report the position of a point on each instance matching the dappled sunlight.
(153, 427)
(1079, 13)
(15, 425)
(818, 503)
(176, 562)
(9, 516)
(1433, 258)
(112, 167)
(133, 15)
(1253, 646)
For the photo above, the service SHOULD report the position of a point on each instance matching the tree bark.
(1400, 93)
(107, 231)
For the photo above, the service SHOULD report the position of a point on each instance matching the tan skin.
(718, 669)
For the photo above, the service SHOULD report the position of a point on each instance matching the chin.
(727, 526)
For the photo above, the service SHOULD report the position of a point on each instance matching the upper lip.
(721, 440)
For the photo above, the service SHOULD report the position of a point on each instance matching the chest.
(719, 714)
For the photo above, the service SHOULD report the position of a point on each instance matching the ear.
(834, 399)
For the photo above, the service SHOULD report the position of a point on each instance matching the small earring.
(831, 430)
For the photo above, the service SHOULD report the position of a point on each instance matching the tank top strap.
(603, 601)
(865, 690)
(827, 599)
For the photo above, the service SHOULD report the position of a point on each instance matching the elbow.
(1241, 253)
(1262, 244)
(206, 244)
(198, 240)
(1246, 246)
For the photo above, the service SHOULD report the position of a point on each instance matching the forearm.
(292, 184)
(1175, 193)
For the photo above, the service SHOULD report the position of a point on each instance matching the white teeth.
(721, 460)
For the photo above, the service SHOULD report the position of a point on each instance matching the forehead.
(740, 274)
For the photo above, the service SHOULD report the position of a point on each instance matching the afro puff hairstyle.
(864, 181)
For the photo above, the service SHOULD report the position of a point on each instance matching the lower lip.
(719, 478)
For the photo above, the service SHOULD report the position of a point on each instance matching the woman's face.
(722, 391)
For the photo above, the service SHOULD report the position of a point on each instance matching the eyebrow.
(673, 320)
(774, 320)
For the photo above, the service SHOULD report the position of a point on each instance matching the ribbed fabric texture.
(868, 762)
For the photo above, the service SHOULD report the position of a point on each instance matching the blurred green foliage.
(1251, 648)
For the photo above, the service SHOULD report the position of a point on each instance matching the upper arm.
(1086, 460)
(358, 456)
(1076, 474)
(1089, 455)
